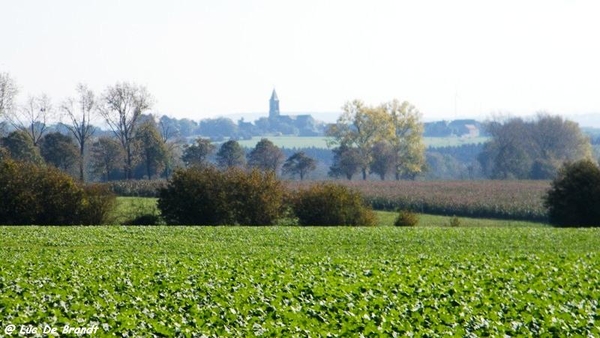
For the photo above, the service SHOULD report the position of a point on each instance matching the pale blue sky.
(205, 58)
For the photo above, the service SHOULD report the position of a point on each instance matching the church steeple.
(274, 105)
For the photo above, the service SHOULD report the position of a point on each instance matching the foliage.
(122, 106)
(20, 147)
(231, 154)
(396, 124)
(295, 281)
(346, 162)
(454, 222)
(299, 164)
(59, 150)
(406, 218)
(207, 196)
(266, 156)
(44, 195)
(331, 204)
(532, 149)
(98, 204)
(153, 149)
(518, 200)
(197, 154)
(107, 156)
(574, 198)
(137, 188)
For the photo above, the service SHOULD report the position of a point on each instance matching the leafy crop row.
(290, 281)
(485, 199)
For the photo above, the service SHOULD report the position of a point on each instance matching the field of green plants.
(521, 200)
(296, 281)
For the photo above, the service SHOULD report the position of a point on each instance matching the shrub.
(406, 219)
(331, 204)
(97, 205)
(454, 222)
(30, 194)
(207, 196)
(574, 197)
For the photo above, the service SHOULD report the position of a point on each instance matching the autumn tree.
(361, 127)
(299, 164)
(107, 155)
(80, 112)
(198, 153)
(121, 106)
(266, 156)
(231, 154)
(408, 149)
(533, 149)
(59, 150)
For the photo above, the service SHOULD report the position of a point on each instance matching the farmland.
(521, 200)
(293, 281)
(321, 142)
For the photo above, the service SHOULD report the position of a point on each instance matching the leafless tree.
(8, 91)
(122, 106)
(33, 117)
(80, 111)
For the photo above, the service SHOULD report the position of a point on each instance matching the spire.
(274, 106)
(274, 96)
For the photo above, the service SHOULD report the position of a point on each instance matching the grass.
(321, 142)
(131, 207)
(302, 281)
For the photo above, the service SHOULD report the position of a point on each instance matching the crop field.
(521, 200)
(295, 281)
(321, 142)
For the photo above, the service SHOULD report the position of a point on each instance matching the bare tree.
(33, 117)
(121, 107)
(80, 111)
(8, 91)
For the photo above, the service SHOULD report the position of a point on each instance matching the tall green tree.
(384, 159)
(60, 151)
(152, 148)
(266, 156)
(107, 155)
(198, 153)
(19, 146)
(121, 106)
(299, 164)
(346, 162)
(231, 154)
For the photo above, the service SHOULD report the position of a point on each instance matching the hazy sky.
(205, 58)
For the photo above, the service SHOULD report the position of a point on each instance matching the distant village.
(277, 124)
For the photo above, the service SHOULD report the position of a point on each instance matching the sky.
(205, 58)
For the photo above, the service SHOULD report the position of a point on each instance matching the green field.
(321, 142)
(294, 281)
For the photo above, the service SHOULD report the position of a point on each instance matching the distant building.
(301, 125)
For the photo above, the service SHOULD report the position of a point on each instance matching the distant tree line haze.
(382, 142)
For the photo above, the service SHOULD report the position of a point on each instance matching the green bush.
(331, 204)
(574, 197)
(207, 196)
(454, 222)
(406, 219)
(30, 194)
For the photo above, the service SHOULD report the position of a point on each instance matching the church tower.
(273, 106)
